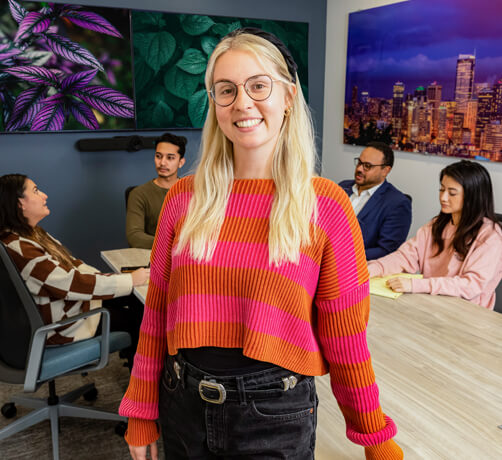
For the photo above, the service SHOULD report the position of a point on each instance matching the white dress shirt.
(358, 200)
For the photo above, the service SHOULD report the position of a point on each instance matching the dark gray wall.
(86, 189)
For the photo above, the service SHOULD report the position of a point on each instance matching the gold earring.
(287, 112)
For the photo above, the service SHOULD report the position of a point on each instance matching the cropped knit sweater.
(309, 317)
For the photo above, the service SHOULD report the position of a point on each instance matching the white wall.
(413, 173)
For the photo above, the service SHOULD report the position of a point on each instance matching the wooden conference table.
(438, 364)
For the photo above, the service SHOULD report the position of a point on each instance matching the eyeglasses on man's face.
(257, 87)
(366, 166)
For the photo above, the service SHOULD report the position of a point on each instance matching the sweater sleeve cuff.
(141, 432)
(420, 285)
(371, 439)
(124, 284)
(388, 450)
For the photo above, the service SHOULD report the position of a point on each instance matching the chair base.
(61, 407)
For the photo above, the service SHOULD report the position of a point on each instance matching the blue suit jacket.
(385, 219)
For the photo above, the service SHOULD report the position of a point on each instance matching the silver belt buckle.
(222, 393)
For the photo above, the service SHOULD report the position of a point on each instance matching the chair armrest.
(38, 346)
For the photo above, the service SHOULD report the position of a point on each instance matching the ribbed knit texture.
(310, 318)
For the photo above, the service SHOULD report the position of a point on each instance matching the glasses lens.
(366, 166)
(258, 87)
(224, 92)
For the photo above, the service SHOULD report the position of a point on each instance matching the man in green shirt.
(145, 201)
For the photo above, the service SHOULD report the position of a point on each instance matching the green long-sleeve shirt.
(143, 209)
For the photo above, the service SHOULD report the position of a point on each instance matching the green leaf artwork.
(193, 62)
(143, 73)
(194, 24)
(180, 83)
(197, 108)
(155, 47)
(171, 52)
(162, 115)
(208, 44)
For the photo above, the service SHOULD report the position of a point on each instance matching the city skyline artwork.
(426, 76)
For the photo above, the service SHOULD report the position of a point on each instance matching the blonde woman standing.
(258, 283)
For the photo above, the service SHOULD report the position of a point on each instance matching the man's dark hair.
(388, 154)
(179, 141)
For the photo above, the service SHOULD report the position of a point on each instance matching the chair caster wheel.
(91, 395)
(9, 410)
(121, 428)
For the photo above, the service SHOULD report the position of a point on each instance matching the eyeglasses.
(258, 88)
(366, 166)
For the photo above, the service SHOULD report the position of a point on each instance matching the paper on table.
(378, 285)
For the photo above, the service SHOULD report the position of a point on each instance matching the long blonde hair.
(293, 166)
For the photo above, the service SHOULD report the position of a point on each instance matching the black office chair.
(128, 190)
(25, 358)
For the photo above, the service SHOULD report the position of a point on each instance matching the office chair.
(25, 358)
(128, 190)
(498, 298)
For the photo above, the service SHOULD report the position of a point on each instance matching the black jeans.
(258, 418)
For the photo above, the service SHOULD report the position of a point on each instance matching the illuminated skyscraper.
(442, 136)
(497, 101)
(434, 99)
(397, 109)
(464, 81)
(471, 117)
(493, 137)
(365, 97)
(458, 123)
(485, 102)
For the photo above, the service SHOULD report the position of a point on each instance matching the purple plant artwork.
(48, 81)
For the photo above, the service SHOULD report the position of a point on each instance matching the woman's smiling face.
(250, 125)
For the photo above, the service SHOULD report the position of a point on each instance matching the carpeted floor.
(80, 439)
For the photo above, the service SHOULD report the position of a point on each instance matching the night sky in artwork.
(418, 42)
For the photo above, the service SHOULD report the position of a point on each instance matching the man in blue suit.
(383, 212)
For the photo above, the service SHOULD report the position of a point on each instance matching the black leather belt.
(218, 389)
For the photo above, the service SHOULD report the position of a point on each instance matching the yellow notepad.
(378, 285)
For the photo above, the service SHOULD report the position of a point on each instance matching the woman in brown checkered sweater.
(62, 286)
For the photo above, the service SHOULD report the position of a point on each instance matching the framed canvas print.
(64, 67)
(170, 57)
(426, 76)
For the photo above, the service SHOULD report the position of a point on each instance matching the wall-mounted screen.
(426, 76)
(64, 67)
(71, 67)
(170, 57)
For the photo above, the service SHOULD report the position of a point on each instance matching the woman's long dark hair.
(11, 216)
(478, 204)
(12, 220)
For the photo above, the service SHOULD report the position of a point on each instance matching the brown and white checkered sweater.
(61, 293)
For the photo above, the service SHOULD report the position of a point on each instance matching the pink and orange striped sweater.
(310, 318)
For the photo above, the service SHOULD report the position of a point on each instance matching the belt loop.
(182, 374)
(241, 390)
(179, 367)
